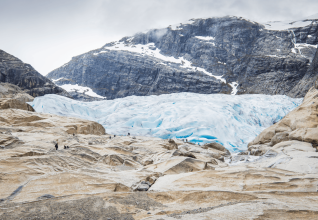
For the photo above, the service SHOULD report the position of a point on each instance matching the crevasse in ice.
(230, 120)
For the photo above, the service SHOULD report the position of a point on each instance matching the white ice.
(280, 56)
(304, 45)
(284, 25)
(233, 121)
(281, 25)
(234, 86)
(56, 80)
(205, 38)
(80, 89)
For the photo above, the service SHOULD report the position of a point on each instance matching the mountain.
(228, 55)
(14, 71)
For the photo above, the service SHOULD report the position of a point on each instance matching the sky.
(48, 33)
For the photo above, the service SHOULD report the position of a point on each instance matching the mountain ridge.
(16, 72)
(213, 55)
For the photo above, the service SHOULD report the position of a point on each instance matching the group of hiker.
(66, 147)
(57, 146)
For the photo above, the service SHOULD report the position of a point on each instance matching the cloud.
(47, 34)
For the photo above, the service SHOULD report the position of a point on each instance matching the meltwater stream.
(233, 121)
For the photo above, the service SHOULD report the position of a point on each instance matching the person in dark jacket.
(56, 146)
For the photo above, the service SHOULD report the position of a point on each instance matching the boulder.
(8, 90)
(147, 161)
(178, 165)
(300, 124)
(171, 145)
(218, 147)
(143, 187)
(30, 119)
(16, 104)
(258, 149)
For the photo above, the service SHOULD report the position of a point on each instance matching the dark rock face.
(192, 58)
(309, 80)
(14, 71)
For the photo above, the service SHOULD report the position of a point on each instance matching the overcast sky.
(48, 33)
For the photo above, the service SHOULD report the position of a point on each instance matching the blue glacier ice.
(232, 121)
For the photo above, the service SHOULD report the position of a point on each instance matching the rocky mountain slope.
(228, 55)
(14, 71)
(125, 177)
(8, 90)
(299, 125)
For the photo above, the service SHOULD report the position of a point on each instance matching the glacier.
(233, 121)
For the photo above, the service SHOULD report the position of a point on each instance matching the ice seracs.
(230, 120)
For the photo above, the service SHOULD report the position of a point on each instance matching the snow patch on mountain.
(281, 25)
(233, 121)
(151, 50)
(284, 25)
(80, 89)
(56, 80)
(205, 38)
(234, 86)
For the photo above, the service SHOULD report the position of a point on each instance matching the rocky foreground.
(105, 177)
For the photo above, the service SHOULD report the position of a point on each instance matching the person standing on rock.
(56, 146)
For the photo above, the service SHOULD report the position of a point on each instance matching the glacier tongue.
(230, 120)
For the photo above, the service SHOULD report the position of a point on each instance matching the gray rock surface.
(83, 97)
(143, 187)
(14, 71)
(259, 60)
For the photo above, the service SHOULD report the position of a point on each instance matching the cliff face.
(214, 55)
(14, 71)
(299, 125)
(309, 80)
